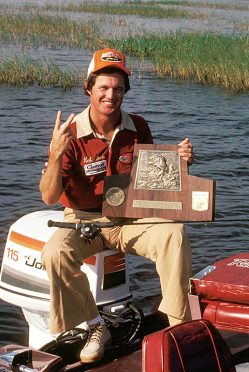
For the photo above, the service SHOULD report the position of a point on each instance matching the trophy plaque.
(159, 186)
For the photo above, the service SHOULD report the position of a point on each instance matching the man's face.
(107, 93)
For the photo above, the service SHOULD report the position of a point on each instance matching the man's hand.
(62, 135)
(186, 151)
(51, 181)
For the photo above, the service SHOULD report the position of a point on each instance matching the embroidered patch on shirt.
(125, 158)
(95, 168)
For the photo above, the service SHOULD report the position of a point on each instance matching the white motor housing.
(24, 282)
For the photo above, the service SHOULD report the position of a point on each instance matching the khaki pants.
(71, 300)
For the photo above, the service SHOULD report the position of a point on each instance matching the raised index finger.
(58, 120)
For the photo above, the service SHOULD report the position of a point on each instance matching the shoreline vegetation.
(209, 58)
(24, 70)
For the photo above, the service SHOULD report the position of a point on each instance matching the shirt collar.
(83, 125)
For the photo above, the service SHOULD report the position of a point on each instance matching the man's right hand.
(51, 181)
(62, 135)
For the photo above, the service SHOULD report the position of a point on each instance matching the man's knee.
(175, 241)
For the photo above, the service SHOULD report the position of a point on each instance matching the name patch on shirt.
(95, 168)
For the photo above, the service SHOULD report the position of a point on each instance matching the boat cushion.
(190, 347)
(225, 280)
(226, 315)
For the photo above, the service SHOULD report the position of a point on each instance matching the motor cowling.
(24, 281)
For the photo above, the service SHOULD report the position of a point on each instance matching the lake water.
(217, 123)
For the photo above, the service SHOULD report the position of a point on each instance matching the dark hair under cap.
(89, 83)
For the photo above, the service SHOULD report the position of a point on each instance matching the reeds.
(41, 29)
(207, 58)
(24, 70)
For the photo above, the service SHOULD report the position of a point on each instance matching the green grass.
(36, 30)
(23, 70)
(207, 58)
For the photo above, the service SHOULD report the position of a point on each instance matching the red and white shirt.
(91, 157)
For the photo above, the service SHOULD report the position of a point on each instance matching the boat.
(218, 297)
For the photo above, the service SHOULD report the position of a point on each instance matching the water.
(215, 121)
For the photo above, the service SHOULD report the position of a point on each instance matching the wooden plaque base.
(159, 186)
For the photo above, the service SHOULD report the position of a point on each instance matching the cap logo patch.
(111, 57)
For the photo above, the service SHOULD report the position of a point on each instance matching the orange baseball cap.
(107, 58)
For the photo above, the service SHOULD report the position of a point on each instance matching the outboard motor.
(24, 282)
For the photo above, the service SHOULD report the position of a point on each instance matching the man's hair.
(88, 84)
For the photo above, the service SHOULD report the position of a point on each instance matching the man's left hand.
(185, 150)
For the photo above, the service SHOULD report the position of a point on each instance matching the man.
(103, 135)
